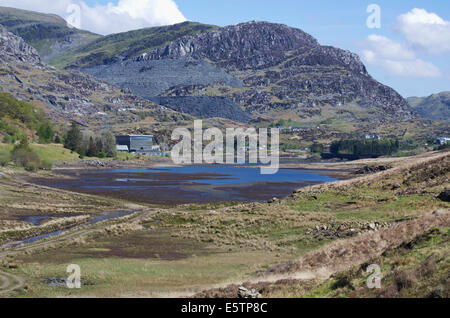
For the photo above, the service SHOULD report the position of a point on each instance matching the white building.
(443, 140)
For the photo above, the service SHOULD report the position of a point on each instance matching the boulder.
(444, 196)
(248, 293)
(274, 200)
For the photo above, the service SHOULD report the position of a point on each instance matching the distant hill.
(47, 33)
(436, 106)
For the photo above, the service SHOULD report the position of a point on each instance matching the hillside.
(17, 117)
(269, 70)
(117, 47)
(47, 33)
(436, 106)
(343, 228)
(67, 95)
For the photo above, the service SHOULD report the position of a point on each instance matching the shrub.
(24, 156)
(101, 155)
(32, 166)
(343, 280)
(46, 164)
(429, 266)
(317, 148)
(404, 279)
(5, 158)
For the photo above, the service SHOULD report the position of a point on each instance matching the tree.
(317, 148)
(365, 147)
(92, 149)
(74, 138)
(108, 144)
(45, 133)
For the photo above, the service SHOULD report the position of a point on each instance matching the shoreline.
(172, 188)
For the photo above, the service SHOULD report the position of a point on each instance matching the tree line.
(365, 147)
(87, 143)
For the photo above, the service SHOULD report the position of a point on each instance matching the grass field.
(50, 152)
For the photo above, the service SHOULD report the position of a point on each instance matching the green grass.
(40, 30)
(366, 203)
(50, 152)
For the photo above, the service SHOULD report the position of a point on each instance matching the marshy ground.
(314, 243)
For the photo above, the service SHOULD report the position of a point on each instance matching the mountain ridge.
(284, 71)
(120, 46)
(435, 106)
(49, 34)
(67, 95)
(267, 70)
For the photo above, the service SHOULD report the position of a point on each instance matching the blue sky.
(337, 23)
(410, 52)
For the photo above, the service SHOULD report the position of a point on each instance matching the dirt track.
(10, 282)
(8, 279)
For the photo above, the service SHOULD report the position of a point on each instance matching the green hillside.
(436, 106)
(16, 117)
(47, 33)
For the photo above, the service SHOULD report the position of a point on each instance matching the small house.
(443, 140)
(142, 144)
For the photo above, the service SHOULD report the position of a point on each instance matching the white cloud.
(110, 18)
(396, 59)
(426, 30)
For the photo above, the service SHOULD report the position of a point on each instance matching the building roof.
(135, 136)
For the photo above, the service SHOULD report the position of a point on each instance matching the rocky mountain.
(127, 45)
(49, 34)
(436, 106)
(269, 70)
(68, 95)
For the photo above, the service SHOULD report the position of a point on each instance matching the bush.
(101, 155)
(24, 156)
(317, 148)
(5, 158)
(32, 166)
(343, 280)
(404, 279)
(46, 164)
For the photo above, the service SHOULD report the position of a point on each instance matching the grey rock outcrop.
(17, 48)
(263, 68)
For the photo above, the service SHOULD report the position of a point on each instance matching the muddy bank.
(115, 164)
(184, 185)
